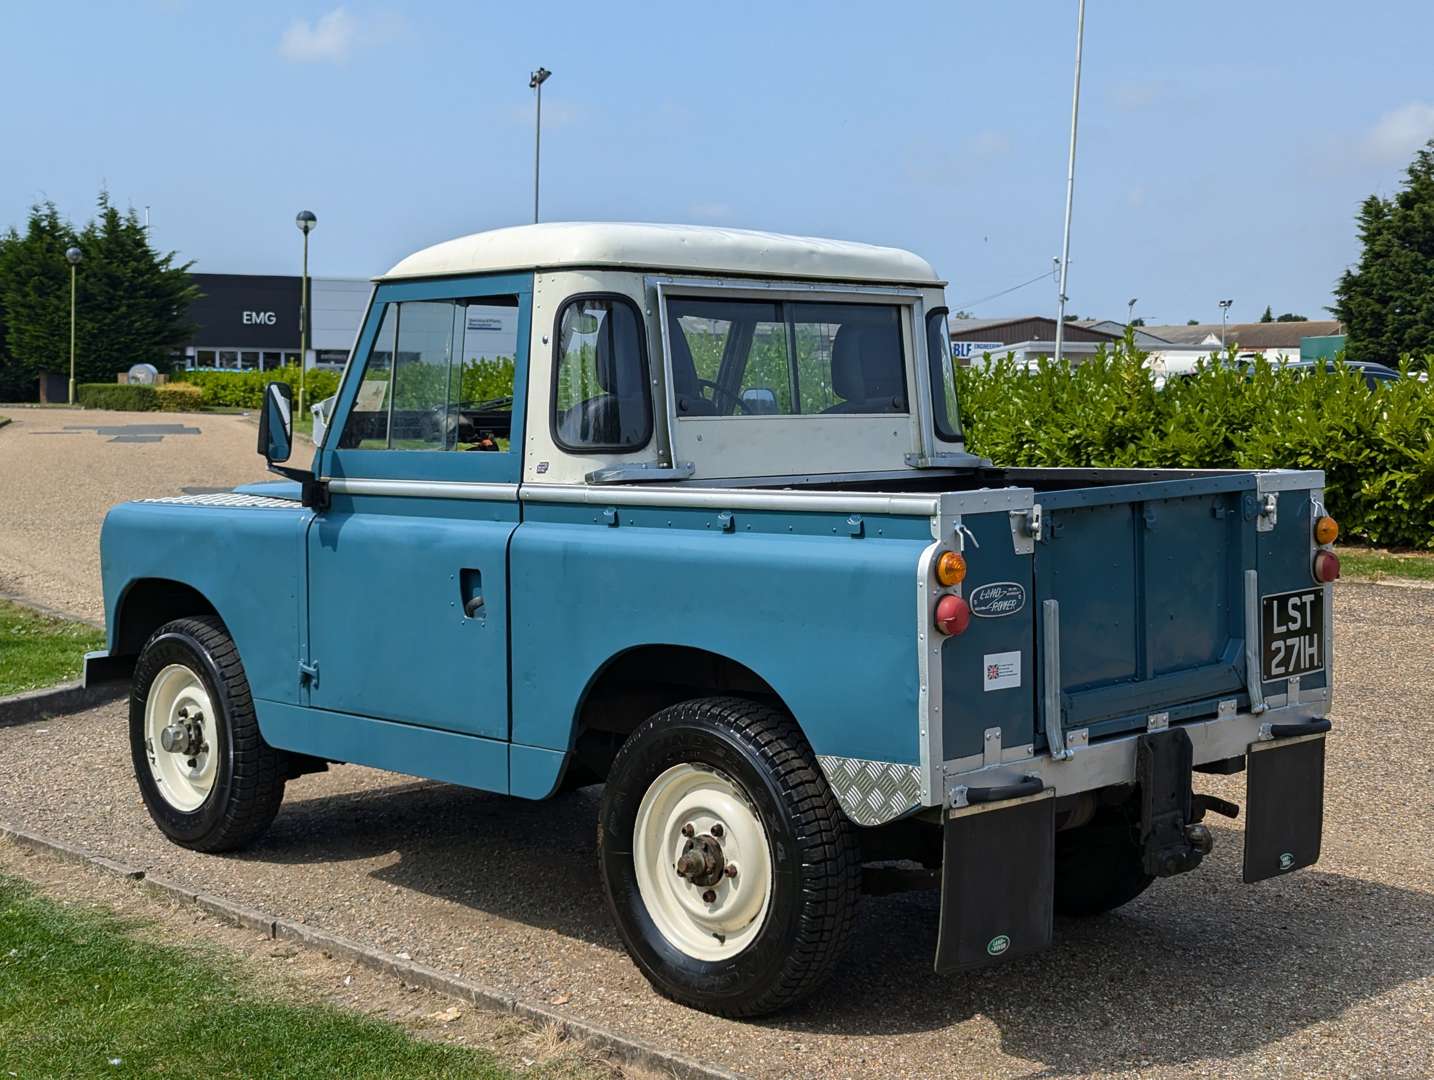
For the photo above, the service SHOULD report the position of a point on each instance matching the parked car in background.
(1375, 375)
(723, 550)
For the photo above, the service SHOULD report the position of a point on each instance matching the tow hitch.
(1172, 838)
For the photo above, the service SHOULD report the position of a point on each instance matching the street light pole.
(1224, 319)
(306, 221)
(535, 82)
(1130, 310)
(73, 255)
(1070, 181)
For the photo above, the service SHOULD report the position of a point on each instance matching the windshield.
(785, 357)
(945, 416)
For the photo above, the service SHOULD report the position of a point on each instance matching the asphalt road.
(1328, 972)
(61, 469)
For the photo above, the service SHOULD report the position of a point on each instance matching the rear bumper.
(1112, 760)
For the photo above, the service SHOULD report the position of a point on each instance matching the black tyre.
(1098, 865)
(730, 870)
(209, 780)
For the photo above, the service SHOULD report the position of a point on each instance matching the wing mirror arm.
(276, 443)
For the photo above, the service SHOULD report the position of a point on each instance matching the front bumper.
(101, 667)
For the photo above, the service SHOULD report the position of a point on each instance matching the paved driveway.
(61, 469)
(1328, 972)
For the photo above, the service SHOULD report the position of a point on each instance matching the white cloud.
(334, 36)
(1132, 96)
(987, 145)
(1400, 132)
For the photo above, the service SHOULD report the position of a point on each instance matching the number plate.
(1291, 634)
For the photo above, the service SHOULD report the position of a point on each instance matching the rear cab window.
(785, 357)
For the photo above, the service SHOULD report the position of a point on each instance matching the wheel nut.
(710, 896)
(688, 830)
(717, 828)
(731, 870)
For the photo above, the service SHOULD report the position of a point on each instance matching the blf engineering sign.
(964, 352)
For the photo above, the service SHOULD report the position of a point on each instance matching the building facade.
(250, 322)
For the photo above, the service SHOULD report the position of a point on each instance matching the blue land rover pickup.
(688, 512)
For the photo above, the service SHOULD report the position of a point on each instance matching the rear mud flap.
(1284, 813)
(997, 882)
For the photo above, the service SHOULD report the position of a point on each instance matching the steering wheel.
(719, 390)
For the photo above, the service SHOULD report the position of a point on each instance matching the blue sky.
(1224, 146)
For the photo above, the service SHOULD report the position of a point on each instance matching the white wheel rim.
(706, 921)
(177, 699)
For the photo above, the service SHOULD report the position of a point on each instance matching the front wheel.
(730, 870)
(207, 777)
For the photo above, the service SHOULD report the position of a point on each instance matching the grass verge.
(81, 996)
(39, 650)
(1378, 564)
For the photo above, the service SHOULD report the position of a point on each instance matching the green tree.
(136, 301)
(1192, 322)
(1268, 316)
(35, 296)
(1387, 301)
(131, 302)
(1137, 321)
(1290, 316)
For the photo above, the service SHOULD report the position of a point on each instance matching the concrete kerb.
(623, 1049)
(72, 697)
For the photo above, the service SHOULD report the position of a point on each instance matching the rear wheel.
(207, 777)
(1098, 865)
(731, 872)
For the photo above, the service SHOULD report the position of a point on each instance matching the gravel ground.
(1329, 972)
(58, 476)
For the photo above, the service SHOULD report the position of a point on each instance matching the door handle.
(470, 592)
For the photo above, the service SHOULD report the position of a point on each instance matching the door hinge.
(308, 673)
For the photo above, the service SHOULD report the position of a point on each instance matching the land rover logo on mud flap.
(997, 598)
(1286, 861)
(998, 944)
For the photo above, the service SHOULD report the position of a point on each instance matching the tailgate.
(1148, 581)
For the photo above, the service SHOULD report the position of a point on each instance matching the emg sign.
(260, 318)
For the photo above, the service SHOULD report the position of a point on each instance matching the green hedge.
(245, 389)
(1375, 447)
(129, 398)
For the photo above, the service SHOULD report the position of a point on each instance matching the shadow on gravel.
(532, 862)
(1201, 966)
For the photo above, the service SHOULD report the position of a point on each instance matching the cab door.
(408, 589)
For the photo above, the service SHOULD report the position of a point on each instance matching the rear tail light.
(1326, 566)
(953, 615)
(1325, 530)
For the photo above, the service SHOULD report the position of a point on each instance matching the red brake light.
(1326, 566)
(953, 615)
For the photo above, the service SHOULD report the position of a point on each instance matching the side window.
(367, 425)
(601, 396)
(944, 413)
(439, 376)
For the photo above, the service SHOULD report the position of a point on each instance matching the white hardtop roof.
(690, 248)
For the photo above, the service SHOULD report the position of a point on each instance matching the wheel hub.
(184, 735)
(701, 862)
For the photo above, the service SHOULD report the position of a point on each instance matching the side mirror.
(323, 412)
(276, 423)
(760, 401)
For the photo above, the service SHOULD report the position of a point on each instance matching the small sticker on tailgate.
(1291, 633)
(1002, 670)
